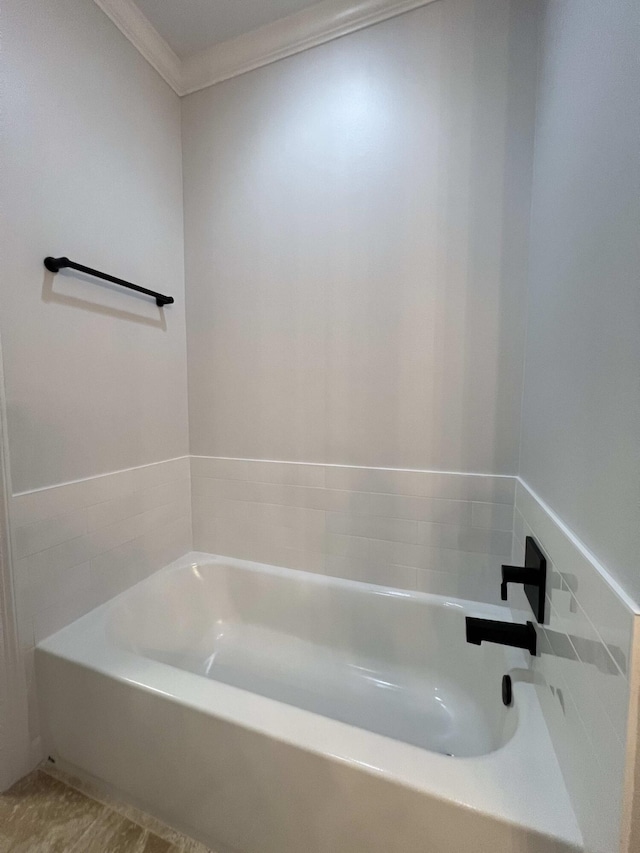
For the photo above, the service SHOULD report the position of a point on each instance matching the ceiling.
(189, 26)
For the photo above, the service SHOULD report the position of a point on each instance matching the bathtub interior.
(392, 662)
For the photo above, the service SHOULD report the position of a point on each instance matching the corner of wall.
(585, 669)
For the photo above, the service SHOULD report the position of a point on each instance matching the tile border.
(15, 495)
(626, 599)
(355, 467)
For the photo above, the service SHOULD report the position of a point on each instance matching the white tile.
(452, 560)
(121, 567)
(491, 516)
(63, 569)
(205, 533)
(41, 589)
(59, 557)
(597, 672)
(584, 664)
(437, 583)
(518, 526)
(439, 510)
(297, 517)
(350, 567)
(290, 473)
(601, 770)
(213, 489)
(309, 539)
(339, 545)
(98, 489)
(465, 538)
(28, 660)
(475, 585)
(207, 508)
(591, 773)
(72, 607)
(305, 561)
(301, 518)
(397, 553)
(398, 577)
(361, 567)
(109, 537)
(420, 556)
(221, 469)
(610, 616)
(35, 537)
(24, 616)
(47, 503)
(423, 483)
(335, 500)
(374, 480)
(81, 543)
(109, 512)
(162, 472)
(372, 527)
(282, 493)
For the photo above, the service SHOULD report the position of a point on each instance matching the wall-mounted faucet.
(517, 574)
(533, 575)
(504, 633)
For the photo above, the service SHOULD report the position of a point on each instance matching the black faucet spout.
(503, 633)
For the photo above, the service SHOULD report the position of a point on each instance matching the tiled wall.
(438, 532)
(79, 544)
(583, 670)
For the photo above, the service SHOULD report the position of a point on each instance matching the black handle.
(517, 574)
(56, 264)
(533, 576)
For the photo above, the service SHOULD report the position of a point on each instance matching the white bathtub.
(265, 710)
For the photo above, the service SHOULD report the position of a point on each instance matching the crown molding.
(317, 24)
(308, 28)
(143, 35)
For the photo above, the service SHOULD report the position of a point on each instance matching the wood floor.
(41, 814)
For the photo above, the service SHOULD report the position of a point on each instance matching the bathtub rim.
(485, 784)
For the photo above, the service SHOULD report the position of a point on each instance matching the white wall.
(581, 413)
(356, 220)
(580, 448)
(95, 376)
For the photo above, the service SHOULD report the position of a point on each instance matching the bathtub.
(265, 710)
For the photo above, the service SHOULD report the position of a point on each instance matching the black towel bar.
(56, 264)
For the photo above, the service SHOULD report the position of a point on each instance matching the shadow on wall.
(49, 295)
(589, 651)
(592, 652)
(369, 281)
